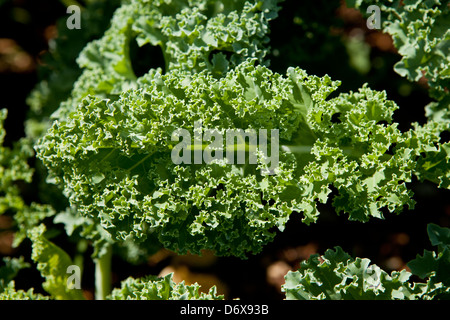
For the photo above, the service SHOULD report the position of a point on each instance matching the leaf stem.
(79, 258)
(139, 162)
(103, 274)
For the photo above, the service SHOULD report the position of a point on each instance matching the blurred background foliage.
(322, 37)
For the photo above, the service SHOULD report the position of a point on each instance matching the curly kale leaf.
(192, 35)
(60, 70)
(10, 270)
(11, 293)
(52, 262)
(14, 168)
(421, 32)
(7, 285)
(337, 276)
(80, 228)
(164, 288)
(435, 265)
(113, 158)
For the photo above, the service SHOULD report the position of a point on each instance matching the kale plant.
(103, 134)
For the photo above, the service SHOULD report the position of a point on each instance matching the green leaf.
(10, 293)
(10, 270)
(52, 262)
(110, 148)
(127, 142)
(337, 276)
(189, 34)
(59, 71)
(438, 236)
(421, 33)
(163, 288)
(13, 169)
(308, 285)
(434, 265)
(7, 285)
